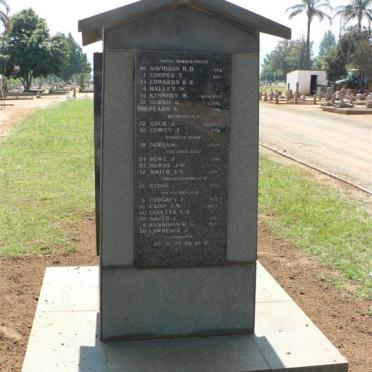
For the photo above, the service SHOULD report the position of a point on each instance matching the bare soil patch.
(20, 283)
(16, 110)
(346, 321)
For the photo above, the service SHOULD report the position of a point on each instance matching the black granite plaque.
(181, 162)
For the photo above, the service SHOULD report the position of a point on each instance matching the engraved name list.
(181, 163)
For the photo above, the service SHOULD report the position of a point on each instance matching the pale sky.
(63, 16)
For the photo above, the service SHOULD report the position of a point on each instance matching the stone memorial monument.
(176, 151)
(178, 211)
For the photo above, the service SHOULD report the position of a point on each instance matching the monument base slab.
(65, 336)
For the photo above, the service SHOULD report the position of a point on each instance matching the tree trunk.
(29, 81)
(308, 44)
(359, 24)
(82, 85)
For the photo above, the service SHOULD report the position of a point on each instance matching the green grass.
(319, 220)
(269, 88)
(46, 180)
(46, 188)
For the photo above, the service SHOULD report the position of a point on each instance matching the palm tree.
(313, 9)
(357, 9)
(5, 21)
(4, 16)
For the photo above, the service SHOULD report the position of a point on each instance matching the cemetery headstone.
(328, 96)
(369, 101)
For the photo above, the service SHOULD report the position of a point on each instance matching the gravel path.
(17, 110)
(338, 144)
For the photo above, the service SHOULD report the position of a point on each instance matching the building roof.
(92, 27)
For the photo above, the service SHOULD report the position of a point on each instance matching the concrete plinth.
(65, 337)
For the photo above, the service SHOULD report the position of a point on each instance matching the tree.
(327, 44)
(312, 9)
(286, 57)
(361, 58)
(300, 56)
(33, 50)
(4, 16)
(77, 62)
(59, 54)
(347, 52)
(356, 10)
(6, 23)
(335, 63)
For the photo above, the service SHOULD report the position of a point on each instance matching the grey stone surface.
(182, 28)
(117, 202)
(65, 337)
(212, 354)
(243, 18)
(243, 167)
(75, 296)
(118, 158)
(268, 290)
(139, 304)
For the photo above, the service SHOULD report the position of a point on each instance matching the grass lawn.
(46, 180)
(268, 88)
(47, 187)
(320, 221)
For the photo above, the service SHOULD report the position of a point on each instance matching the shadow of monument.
(223, 353)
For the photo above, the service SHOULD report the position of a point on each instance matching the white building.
(308, 80)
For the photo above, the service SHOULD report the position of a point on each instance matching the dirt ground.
(346, 321)
(20, 283)
(338, 144)
(16, 110)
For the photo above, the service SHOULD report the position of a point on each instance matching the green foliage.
(335, 63)
(320, 220)
(356, 10)
(313, 9)
(361, 58)
(4, 16)
(351, 50)
(46, 180)
(77, 61)
(286, 57)
(327, 44)
(59, 54)
(33, 50)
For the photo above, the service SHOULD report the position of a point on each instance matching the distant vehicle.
(354, 80)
